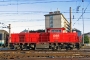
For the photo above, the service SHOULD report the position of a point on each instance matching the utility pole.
(9, 40)
(70, 21)
(83, 19)
(83, 24)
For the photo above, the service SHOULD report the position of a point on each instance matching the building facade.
(56, 20)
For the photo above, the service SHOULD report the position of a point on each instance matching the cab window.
(55, 30)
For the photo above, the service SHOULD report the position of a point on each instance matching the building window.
(68, 27)
(51, 21)
(51, 25)
(51, 17)
(0, 36)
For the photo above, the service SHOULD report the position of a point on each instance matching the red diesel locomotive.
(52, 39)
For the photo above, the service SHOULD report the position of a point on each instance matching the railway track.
(63, 50)
(13, 54)
(47, 55)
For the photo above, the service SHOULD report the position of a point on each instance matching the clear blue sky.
(24, 14)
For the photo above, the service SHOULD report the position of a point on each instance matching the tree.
(86, 39)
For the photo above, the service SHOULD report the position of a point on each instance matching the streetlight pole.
(9, 40)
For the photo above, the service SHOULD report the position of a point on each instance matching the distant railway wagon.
(3, 38)
(54, 39)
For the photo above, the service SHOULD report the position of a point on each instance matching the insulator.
(82, 0)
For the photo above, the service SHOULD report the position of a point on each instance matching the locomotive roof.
(57, 28)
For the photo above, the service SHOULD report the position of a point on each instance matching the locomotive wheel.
(54, 48)
(78, 48)
(21, 48)
(67, 48)
(59, 49)
(71, 48)
(17, 47)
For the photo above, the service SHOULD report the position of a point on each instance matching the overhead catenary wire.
(3, 25)
(27, 20)
(81, 14)
(29, 2)
(37, 0)
(29, 12)
(42, 0)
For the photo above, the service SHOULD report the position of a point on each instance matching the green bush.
(86, 39)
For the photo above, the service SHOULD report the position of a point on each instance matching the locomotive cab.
(51, 36)
(55, 30)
